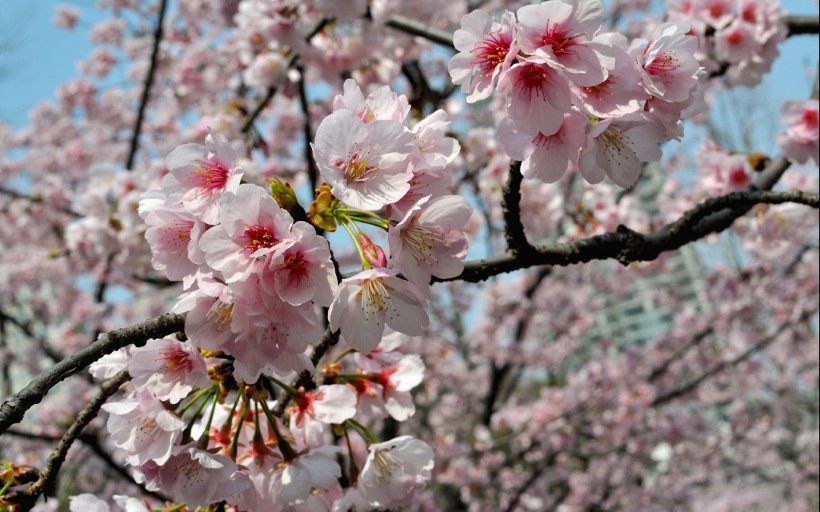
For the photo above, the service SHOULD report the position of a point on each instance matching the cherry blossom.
(364, 162)
(394, 470)
(372, 299)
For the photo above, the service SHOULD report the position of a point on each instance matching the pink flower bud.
(372, 252)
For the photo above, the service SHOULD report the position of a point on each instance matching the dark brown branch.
(499, 373)
(725, 364)
(14, 408)
(802, 24)
(271, 92)
(28, 331)
(48, 477)
(710, 216)
(93, 443)
(146, 91)
(517, 243)
(694, 341)
(417, 28)
(307, 132)
(37, 200)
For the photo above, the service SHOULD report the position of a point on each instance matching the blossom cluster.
(577, 97)
(254, 284)
(737, 37)
(800, 140)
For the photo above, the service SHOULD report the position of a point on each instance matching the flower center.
(176, 360)
(374, 296)
(356, 168)
(258, 237)
(385, 462)
(220, 314)
(556, 38)
(662, 66)
(421, 242)
(531, 81)
(210, 175)
(491, 53)
(296, 263)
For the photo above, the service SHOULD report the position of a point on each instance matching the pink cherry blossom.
(315, 410)
(365, 163)
(561, 34)
(667, 62)
(800, 140)
(428, 241)
(173, 234)
(168, 368)
(397, 381)
(143, 427)
(616, 148)
(303, 271)
(201, 174)
(252, 229)
(545, 158)
(622, 92)
(486, 50)
(381, 104)
(199, 478)
(539, 97)
(394, 471)
(737, 42)
(371, 299)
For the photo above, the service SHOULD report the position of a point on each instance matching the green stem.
(288, 388)
(187, 432)
(365, 264)
(206, 434)
(287, 451)
(235, 440)
(196, 397)
(343, 355)
(365, 434)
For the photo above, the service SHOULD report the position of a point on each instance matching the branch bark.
(710, 216)
(45, 484)
(14, 408)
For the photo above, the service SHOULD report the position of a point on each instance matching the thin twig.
(271, 92)
(93, 443)
(417, 28)
(146, 91)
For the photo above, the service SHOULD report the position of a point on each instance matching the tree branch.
(93, 443)
(38, 200)
(307, 132)
(271, 92)
(417, 28)
(802, 24)
(517, 243)
(14, 408)
(146, 91)
(757, 347)
(48, 477)
(710, 216)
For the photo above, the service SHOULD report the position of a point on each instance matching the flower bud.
(372, 252)
(322, 209)
(283, 194)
